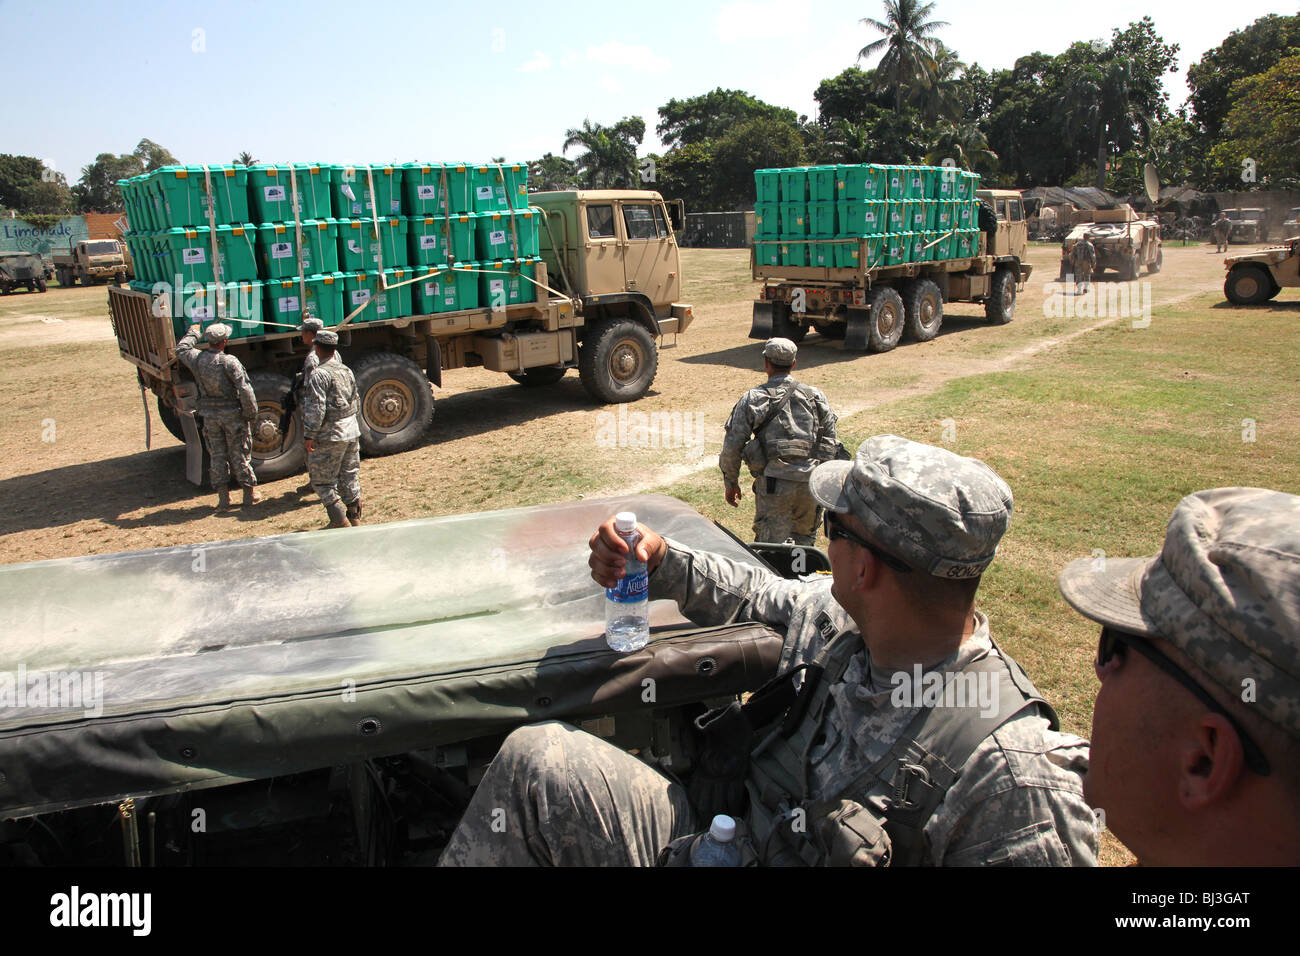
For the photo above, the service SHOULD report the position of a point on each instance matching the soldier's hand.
(309, 445)
(734, 495)
(195, 329)
(609, 552)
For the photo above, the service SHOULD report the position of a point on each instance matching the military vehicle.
(872, 306)
(1291, 227)
(92, 261)
(612, 272)
(1256, 277)
(1248, 225)
(1124, 242)
(319, 698)
(21, 269)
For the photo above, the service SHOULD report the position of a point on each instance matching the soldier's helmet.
(217, 332)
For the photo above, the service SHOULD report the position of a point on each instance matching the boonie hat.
(1224, 589)
(217, 332)
(310, 324)
(937, 511)
(780, 352)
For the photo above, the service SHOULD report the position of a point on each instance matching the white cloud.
(747, 20)
(628, 57)
(609, 84)
(537, 64)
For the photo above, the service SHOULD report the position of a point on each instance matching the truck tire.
(829, 329)
(171, 419)
(1000, 306)
(1132, 268)
(269, 462)
(923, 306)
(618, 361)
(1249, 285)
(535, 377)
(784, 326)
(396, 402)
(1158, 264)
(40, 285)
(65, 276)
(31, 287)
(887, 319)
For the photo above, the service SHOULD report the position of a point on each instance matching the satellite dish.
(1152, 181)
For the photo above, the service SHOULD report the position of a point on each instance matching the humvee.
(1124, 242)
(1259, 276)
(1248, 225)
(19, 269)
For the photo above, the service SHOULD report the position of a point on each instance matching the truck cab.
(615, 250)
(1012, 235)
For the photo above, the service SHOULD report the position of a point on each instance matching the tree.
(28, 187)
(153, 156)
(1261, 130)
(698, 119)
(848, 96)
(552, 173)
(1244, 53)
(763, 143)
(966, 146)
(244, 159)
(97, 191)
(939, 92)
(907, 41)
(610, 157)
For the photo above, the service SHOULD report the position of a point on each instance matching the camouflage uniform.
(800, 435)
(555, 795)
(1222, 229)
(1083, 257)
(228, 406)
(329, 418)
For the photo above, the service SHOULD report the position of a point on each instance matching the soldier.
(1196, 728)
(866, 765)
(1083, 257)
(1222, 230)
(310, 326)
(794, 429)
(329, 420)
(228, 406)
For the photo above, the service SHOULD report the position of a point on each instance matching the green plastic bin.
(967, 184)
(489, 189)
(793, 253)
(350, 188)
(860, 182)
(821, 184)
(505, 283)
(189, 254)
(238, 304)
(767, 185)
(278, 254)
(288, 303)
(874, 249)
(460, 194)
(448, 291)
(968, 216)
(846, 254)
(822, 254)
(916, 212)
(269, 190)
(794, 185)
(767, 253)
(184, 195)
(438, 239)
(863, 217)
(919, 248)
(423, 192)
(945, 219)
(794, 219)
(895, 250)
(361, 242)
(897, 221)
(965, 244)
(946, 184)
(365, 290)
(767, 220)
(821, 219)
(507, 235)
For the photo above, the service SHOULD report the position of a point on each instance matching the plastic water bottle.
(627, 604)
(718, 848)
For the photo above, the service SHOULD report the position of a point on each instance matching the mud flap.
(857, 328)
(193, 450)
(762, 324)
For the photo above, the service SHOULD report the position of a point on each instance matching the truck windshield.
(644, 221)
(105, 248)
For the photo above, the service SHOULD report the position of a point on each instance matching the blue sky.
(348, 82)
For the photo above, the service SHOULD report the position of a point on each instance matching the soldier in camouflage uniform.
(1196, 728)
(1222, 229)
(310, 326)
(797, 437)
(1083, 259)
(228, 407)
(329, 420)
(911, 529)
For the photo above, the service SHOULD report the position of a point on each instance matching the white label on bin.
(381, 307)
(356, 208)
(354, 246)
(360, 296)
(346, 189)
(281, 250)
(497, 237)
(428, 242)
(394, 205)
(289, 303)
(871, 218)
(193, 256)
(426, 192)
(485, 192)
(274, 193)
(431, 288)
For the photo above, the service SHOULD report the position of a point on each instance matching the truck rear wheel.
(396, 402)
(1156, 265)
(1249, 285)
(171, 420)
(269, 462)
(40, 285)
(887, 318)
(923, 304)
(618, 361)
(535, 377)
(1000, 306)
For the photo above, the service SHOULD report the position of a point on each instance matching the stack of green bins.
(352, 187)
(365, 244)
(860, 182)
(822, 218)
(278, 253)
(767, 220)
(767, 185)
(794, 222)
(288, 301)
(269, 189)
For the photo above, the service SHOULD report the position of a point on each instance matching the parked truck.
(1124, 243)
(1248, 225)
(92, 261)
(872, 305)
(1256, 277)
(608, 286)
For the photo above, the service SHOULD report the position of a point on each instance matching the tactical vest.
(900, 792)
(341, 400)
(785, 447)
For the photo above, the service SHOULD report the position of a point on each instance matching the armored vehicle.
(1124, 242)
(1248, 225)
(1291, 226)
(21, 269)
(1259, 276)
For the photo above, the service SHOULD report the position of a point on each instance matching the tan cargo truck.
(872, 307)
(611, 264)
(92, 261)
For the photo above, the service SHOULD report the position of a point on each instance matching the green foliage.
(244, 159)
(1262, 125)
(152, 155)
(763, 143)
(848, 96)
(27, 187)
(709, 116)
(97, 191)
(908, 43)
(552, 173)
(610, 158)
(1244, 53)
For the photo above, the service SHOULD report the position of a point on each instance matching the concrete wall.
(19, 235)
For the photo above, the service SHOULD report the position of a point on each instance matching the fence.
(718, 230)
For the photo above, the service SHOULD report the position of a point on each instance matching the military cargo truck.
(871, 306)
(1124, 243)
(1248, 225)
(1259, 276)
(92, 261)
(608, 286)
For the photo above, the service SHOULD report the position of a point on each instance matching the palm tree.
(245, 159)
(938, 92)
(610, 157)
(965, 145)
(907, 39)
(1097, 106)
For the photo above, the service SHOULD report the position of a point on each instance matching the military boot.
(251, 497)
(338, 515)
(354, 513)
(223, 496)
(305, 488)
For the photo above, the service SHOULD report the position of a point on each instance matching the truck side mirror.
(676, 214)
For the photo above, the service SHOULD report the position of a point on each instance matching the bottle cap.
(625, 522)
(723, 828)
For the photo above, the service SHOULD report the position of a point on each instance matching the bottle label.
(632, 589)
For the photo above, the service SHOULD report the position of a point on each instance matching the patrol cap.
(327, 337)
(311, 324)
(217, 332)
(780, 352)
(1225, 590)
(937, 511)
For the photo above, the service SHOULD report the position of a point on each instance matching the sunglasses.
(1113, 642)
(835, 530)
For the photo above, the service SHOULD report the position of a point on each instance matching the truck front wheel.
(275, 454)
(1000, 306)
(1249, 285)
(396, 402)
(887, 318)
(618, 361)
(1158, 263)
